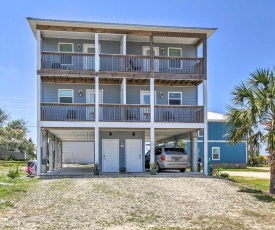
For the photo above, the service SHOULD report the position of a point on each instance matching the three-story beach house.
(104, 89)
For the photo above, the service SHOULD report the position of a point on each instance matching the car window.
(174, 151)
(148, 153)
(157, 151)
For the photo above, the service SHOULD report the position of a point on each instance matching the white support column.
(96, 99)
(44, 151)
(60, 155)
(152, 99)
(194, 149)
(152, 145)
(96, 145)
(123, 44)
(56, 153)
(123, 86)
(38, 41)
(51, 155)
(205, 131)
(97, 61)
(38, 152)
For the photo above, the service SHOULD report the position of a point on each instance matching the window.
(174, 98)
(66, 96)
(215, 153)
(174, 61)
(200, 133)
(66, 59)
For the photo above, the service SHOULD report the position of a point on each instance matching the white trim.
(218, 155)
(140, 140)
(175, 57)
(65, 43)
(65, 96)
(94, 91)
(199, 133)
(175, 98)
(89, 45)
(145, 48)
(103, 153)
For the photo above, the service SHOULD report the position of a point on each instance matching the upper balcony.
(87, 49)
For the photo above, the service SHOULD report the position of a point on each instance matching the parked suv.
(169, 158)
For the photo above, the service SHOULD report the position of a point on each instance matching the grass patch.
(250, 169)
(11, 190)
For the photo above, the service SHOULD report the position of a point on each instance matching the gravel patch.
(138, 201)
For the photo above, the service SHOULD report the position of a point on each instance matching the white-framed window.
(174, 60)
(174, 98)
(66, 59)
(200, 133)
(215, 153)
(66, 95)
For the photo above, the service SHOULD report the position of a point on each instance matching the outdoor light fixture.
(162, 50)
(161, 94)
(110, 133)
(80, 93)
(78, 46)
(134, 134)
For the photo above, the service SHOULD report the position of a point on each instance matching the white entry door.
(110, 150)
(133, 151)
(90, 99)
(146, 64)
(89, 61)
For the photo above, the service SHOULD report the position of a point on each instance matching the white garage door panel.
(78, 152)
(110, 150)
(133, 155)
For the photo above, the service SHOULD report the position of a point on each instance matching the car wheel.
(182, 170)
(158, 168)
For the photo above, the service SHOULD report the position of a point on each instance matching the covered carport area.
(69, 146)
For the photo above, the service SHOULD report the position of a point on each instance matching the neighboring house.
(219, 150)
(16, 155)
(115, 87)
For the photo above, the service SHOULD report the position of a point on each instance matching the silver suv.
(169, 158)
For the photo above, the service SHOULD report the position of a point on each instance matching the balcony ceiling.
(116, 37)
(88, 134)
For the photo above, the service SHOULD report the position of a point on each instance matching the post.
(152, 55)
(44, 151)
(97, 145)
(60, 155)
(38, 152)
(152, 145)
(97, 60)
(205, 130)
(51, 155)
(124, 90)
(152, 99)
(194, 153)
(56, 152)
(38, 40)
(96, 99)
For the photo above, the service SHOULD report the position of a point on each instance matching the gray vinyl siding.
(189, 94)
(136, 48)
(121, 136)
(113, 47)
(108, 47)
(111, 93)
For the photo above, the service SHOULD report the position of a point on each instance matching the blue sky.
(243, 42)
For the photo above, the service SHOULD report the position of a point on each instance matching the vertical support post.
(205, 56)
(152, 64)
(44, 151)
(152, 99)
(60, 155)
(152, 145)
(38, 152)
(123, 85)
(97, 145)
(97, 61)
(205, 130)
(96, 99)
(38, 40)
(51, 155)
(123, 44)
(56, 152)
(194, 153)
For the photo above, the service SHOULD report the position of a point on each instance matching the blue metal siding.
(122, 135)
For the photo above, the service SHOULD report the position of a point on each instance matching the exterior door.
(89, 61)
(90, 99)
(146, 63)
(110, 150)
(133, 150)
(145, 100)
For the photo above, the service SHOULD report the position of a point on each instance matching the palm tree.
(251, 115)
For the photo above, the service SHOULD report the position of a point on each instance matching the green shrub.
(14, 173)
(224, 175)
(9, 158)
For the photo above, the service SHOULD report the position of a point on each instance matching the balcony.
(121, 113)
(121, 63)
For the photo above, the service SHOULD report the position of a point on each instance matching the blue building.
(219, 150)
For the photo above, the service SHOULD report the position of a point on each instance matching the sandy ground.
(139, 201)
(262, 175)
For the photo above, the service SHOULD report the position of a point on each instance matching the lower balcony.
(121, 113)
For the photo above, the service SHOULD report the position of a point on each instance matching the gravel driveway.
(142, 201)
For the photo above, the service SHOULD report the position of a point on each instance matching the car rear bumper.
(169, 165)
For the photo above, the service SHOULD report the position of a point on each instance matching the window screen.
(174, 98)
(66, 96)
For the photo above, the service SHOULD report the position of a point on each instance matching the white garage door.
(78, 152)
(110, 150)
(133, 155)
